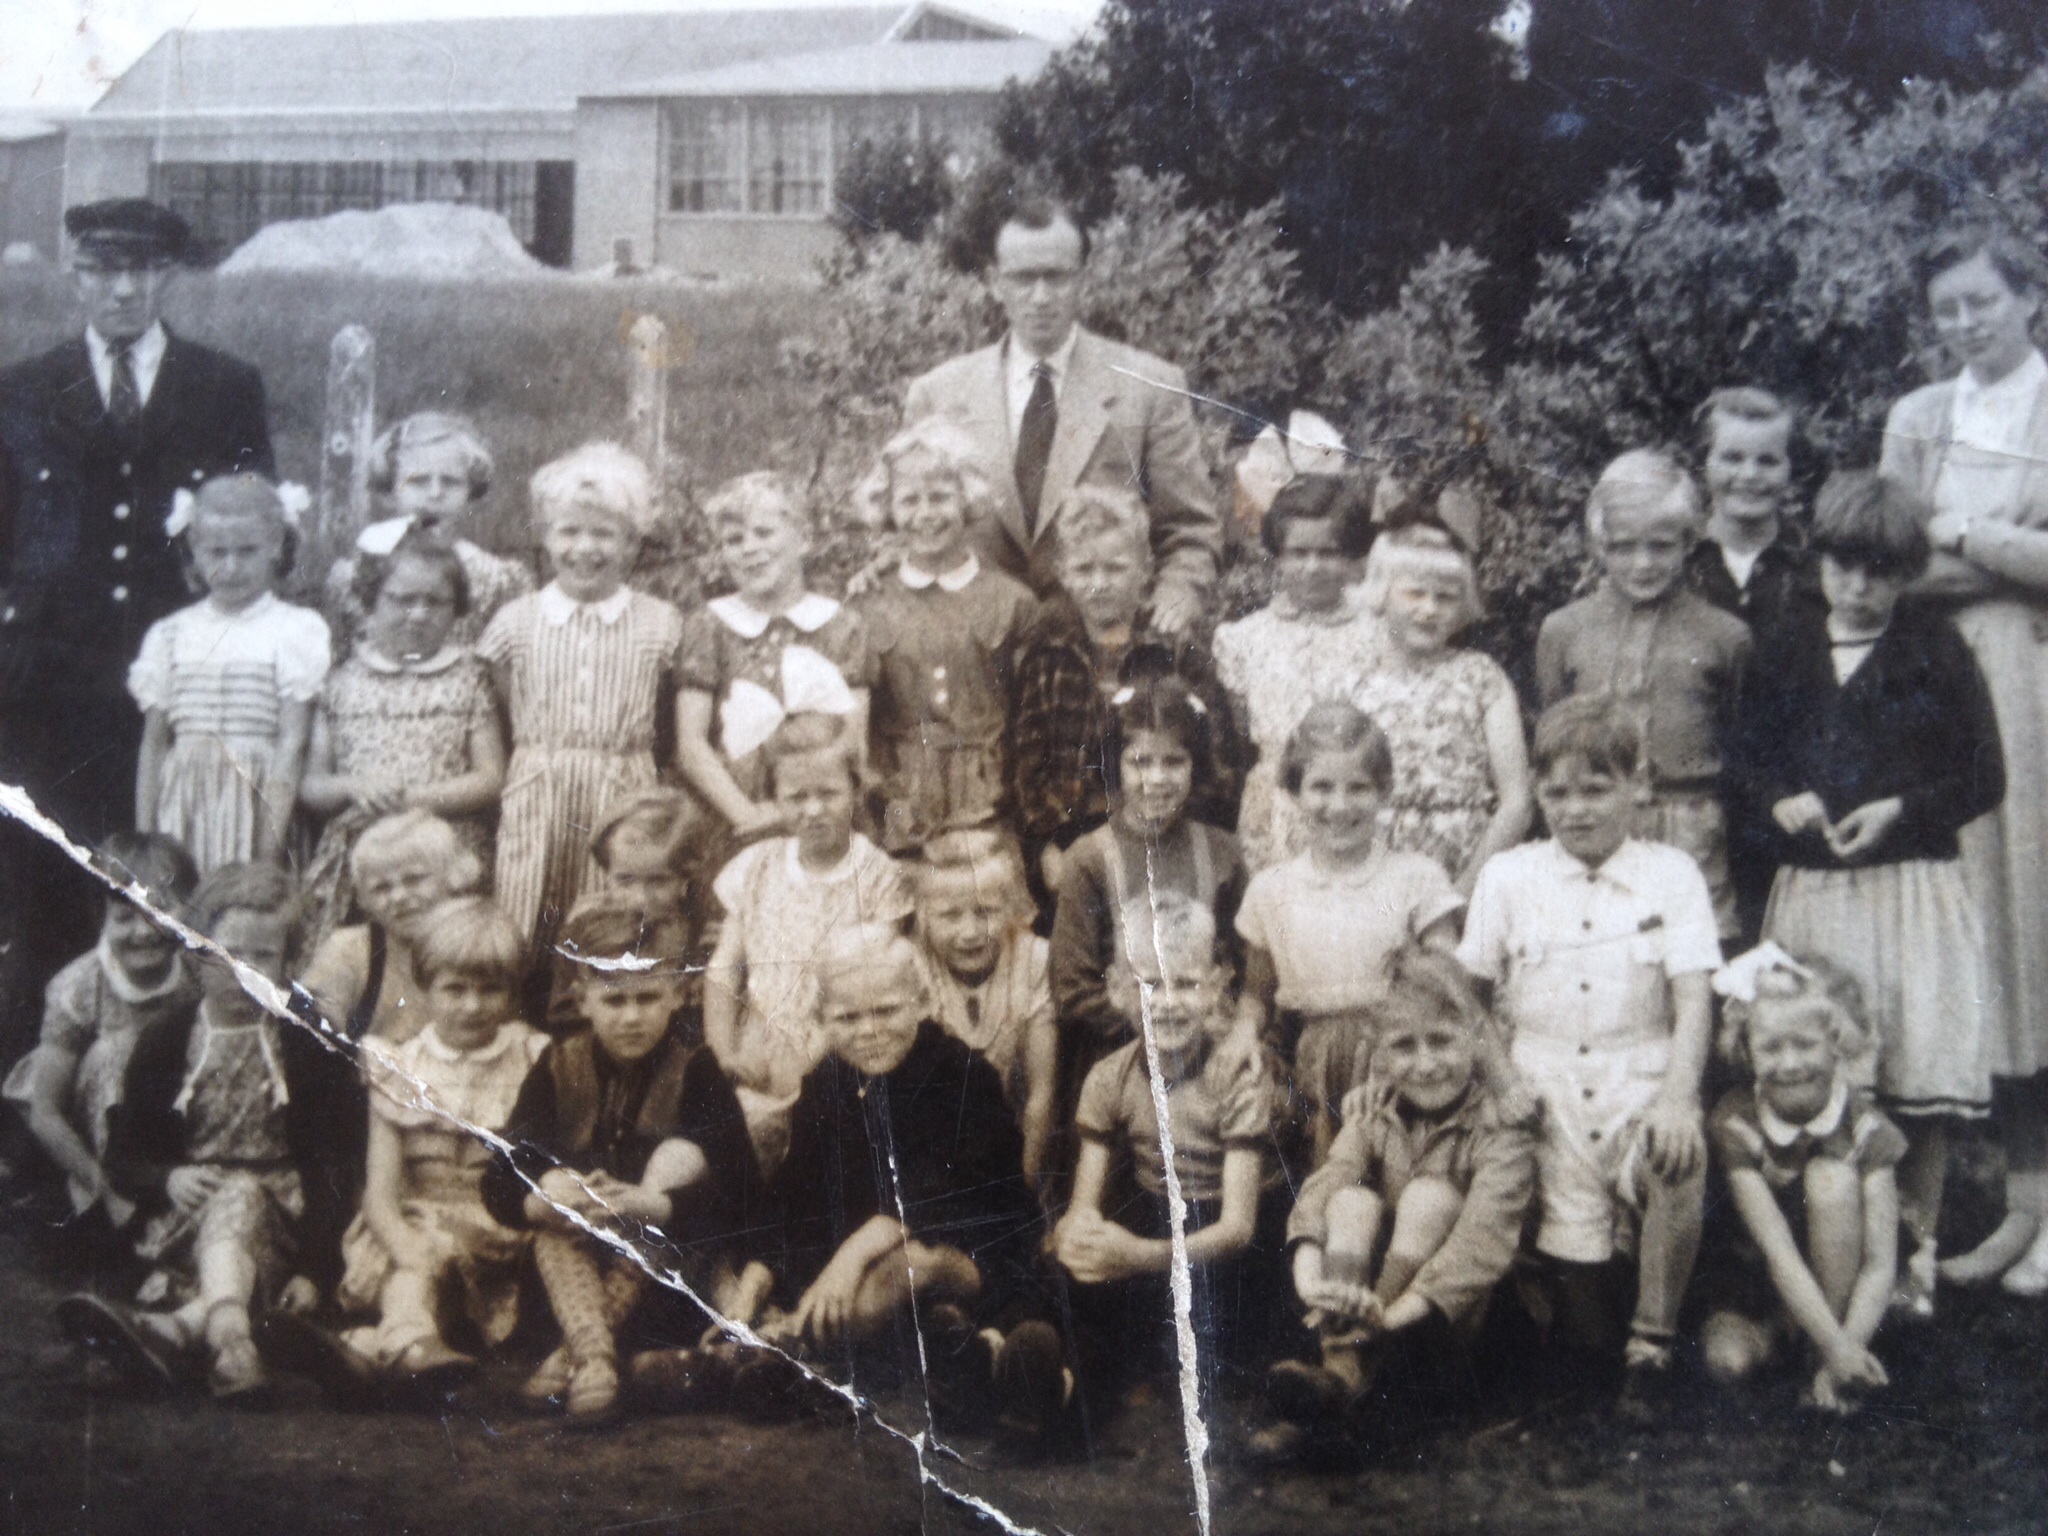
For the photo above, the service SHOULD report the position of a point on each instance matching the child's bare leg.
(406, 1314)
(1672, 1216)
(1353, 1219)
(1834, 1229)
(930, 1273)
(1922, 1172)
(1423, 1218)
(1734, 1347)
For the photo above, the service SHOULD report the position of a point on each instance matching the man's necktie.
(124, 400)
(1034, 441)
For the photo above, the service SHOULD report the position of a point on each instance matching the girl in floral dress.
(1309, 643)
(1461, 768)
(406, 723)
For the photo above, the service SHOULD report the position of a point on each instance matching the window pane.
(790, 150)
(704, 158)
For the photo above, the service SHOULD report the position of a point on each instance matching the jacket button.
(121, 513)
(120, 551)
(7, 617)
(42, 474)
(120, 594)
(127, 469)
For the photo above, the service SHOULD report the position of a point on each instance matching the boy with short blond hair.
(1670, 659)
(1599, 947)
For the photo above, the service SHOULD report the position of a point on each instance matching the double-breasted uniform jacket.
(1124, 421)
(85, 564)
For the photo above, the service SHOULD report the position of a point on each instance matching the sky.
(59, 55)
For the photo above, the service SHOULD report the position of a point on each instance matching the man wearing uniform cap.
(95, 436)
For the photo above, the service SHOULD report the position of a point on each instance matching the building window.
(707, 158)
(227, 202)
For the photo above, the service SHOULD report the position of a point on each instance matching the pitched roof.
(873, 69)
(452, 66)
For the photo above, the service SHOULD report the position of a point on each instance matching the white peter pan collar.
(426, 666)
(558, 607)
(917, 578)
(812, 612)
(1783, 1133)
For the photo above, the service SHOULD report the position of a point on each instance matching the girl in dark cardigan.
(1868, 744)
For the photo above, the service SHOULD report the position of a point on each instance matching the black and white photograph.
(1070, 768)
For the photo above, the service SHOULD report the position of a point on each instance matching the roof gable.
(497, 63)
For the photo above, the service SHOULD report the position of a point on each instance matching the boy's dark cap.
(128, 230)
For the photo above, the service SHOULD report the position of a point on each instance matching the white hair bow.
(296, 501)
(811, 685)
(180, 516)
(380, 539)
(1739, 977)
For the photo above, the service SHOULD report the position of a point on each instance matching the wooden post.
(345, 436)
(647, 393)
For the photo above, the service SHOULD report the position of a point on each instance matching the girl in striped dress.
(579, 667)
(227, 685)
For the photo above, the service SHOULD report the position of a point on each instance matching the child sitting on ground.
(95, 1009)
(1599, 948)
(422, 1222)
(1809, 1159)
(1115, 1239)
(782, 898)
(903, 1195)
(579, 669)
(1320, 928)
(1401, 1236)
(770, 649)
(208, 1142)
(986, 971)
(944, 632)
(1670, 659)
(625, 1152)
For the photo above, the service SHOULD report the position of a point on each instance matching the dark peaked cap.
(130, 228)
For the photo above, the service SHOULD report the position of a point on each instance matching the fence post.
(345, 436)
(647, 393)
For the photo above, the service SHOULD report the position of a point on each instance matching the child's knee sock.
(1346, 1267)
(1670, 1244)
(624, 1284)
(406, 1310)
(576, 1291)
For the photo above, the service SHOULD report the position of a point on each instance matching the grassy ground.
(539, 364)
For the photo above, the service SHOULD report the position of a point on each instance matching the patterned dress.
(1276, 663)
(412, 723)
(751, 662)
(224, 680)
(581, 682)
(1434, 717)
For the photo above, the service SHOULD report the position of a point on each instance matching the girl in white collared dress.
(579, 668)
(772, 648)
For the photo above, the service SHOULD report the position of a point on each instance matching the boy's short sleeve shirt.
(1214, 1111)
(1583, 955)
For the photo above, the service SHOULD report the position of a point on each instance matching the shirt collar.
(1060, 359)
(1783, 1133)
(256, 610)
(426, 666)
(145, 353)
(917, 578)
(812, 612)
(1616, 870)
(2023, 382)
(558, 607)
(839, 872)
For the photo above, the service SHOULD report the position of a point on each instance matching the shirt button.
(1585, 1050)
(120, 551)
(1594, 1135)
(1587, 925)
(1589, 1093)
(120, 594)
(1585, 986)
(121, 513)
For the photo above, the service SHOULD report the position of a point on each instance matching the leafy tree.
(898, 184)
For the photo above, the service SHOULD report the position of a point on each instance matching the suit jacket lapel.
(160, 410)
(76, 409)
(1086, 401)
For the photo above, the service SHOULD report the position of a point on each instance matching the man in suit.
(1054, 405)
(95, 437)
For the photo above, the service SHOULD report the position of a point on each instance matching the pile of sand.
(418, 240)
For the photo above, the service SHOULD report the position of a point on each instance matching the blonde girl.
(227, 685)
(1461, 767)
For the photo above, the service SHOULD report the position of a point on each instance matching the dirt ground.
(1955, 1446)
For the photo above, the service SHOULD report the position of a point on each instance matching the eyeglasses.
(1054, 280)
(106, 271)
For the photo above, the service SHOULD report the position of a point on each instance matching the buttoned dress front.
(581, 683)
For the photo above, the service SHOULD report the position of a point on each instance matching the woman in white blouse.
(1975, 450)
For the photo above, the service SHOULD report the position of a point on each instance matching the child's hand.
(1095, 1250)
(1853, 1365)
(190, 1188)
(827, 1307)
(119, 1211)
(377, 797)
(1864, 828)
(1354, 1304)
(565, 1194)
(1674, 1139)
(300, 1297)
(1801, 813)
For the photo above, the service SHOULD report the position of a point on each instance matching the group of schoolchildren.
(878, 979)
